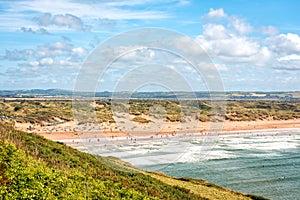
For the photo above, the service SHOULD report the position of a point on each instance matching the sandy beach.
(68, 130)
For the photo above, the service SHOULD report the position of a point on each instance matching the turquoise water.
(271, 170)
(264, 162)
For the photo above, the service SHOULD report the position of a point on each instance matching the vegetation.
(37, 111)
(141, 120)
(32, 167)
(42, 112)
(36, 168)
(262, 110)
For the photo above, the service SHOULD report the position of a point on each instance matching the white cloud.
(34, 63)
(79, 51)
(221, 67)
(215, 13)
(228, 41)
(57, 59)
(291, 65)
(62, 20)
(285, 44)
(215, 31)
(190, 69)
(60, 45)
(45, 19)
(236, 47)
(101, 9)
(46, 61)
(188, 46)
(78, 15)
(286, 50)
(289, 57)
(225, 44)
(240, 25)
(289, 62)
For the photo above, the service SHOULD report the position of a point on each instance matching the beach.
(68, 130)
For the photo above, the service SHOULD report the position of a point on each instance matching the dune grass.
(41, 112)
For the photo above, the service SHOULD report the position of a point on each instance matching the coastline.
(66, 131)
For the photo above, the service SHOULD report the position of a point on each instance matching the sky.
(253, 44)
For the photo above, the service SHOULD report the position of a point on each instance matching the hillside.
(32, 167)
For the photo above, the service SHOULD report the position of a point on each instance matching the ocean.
(265, 162)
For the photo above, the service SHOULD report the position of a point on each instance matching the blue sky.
(254, 44)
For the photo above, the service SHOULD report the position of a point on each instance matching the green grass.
(33, 167)
(203, 188)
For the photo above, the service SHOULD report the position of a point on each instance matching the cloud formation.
(57, 59)
(285, 44)
(42, 31)
(215, 13)
(17, 55)
(232, 40)
(50, 38)
(66, 20)
(229, 45)
(116, 10)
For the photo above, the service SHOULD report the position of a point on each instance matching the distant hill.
(34, 93)
(32, 167)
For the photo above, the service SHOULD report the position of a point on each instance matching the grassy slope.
(196, 186)
(32, 167)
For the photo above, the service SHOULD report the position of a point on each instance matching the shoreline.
(82, 141)
(66, 131)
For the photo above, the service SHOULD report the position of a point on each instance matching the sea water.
(264, 162)
(262, 165)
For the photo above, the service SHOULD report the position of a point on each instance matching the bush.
(141, 120)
